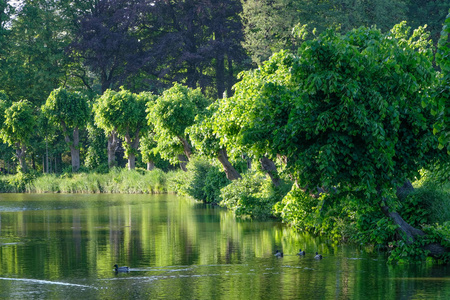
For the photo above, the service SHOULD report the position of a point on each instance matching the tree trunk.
(133, 145)
(187, 148)
(74, 151)
(46, 155)
(131, 161)
(20, 153)
(220, 68)
(409, 233)
(230, 79)
(404, 190)
(150, 165)
(112, 145)
(183, 162)
(230, 171)
(270, 168)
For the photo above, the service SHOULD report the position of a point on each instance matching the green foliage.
(268, 24)
(252, 196)
(19, 124)
(441, 100)
(298, 209)
(16, 183)
(204, 181)
(116, 181)
(35, 61)
(67, 109)
(124, 113)
(96, 157)
(428, 204)
(416, 253)
(176, 108)
(345, 111)
(174, 111)
(202, 135)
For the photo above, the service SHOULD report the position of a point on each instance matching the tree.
(206, 142)
(18, 127)
(268, 24)
(173, 112)
(106, 40)
(36, 62)
(124, 113)
(199, 43)
(428, 12)
(70, 112)
(346, 112)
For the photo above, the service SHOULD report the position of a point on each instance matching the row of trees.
(93, 46)
(145, 45)
(357, 113)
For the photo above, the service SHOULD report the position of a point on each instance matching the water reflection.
(65, 246)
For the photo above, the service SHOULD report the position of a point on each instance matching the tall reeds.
(117, 181)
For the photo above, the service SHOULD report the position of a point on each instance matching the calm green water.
(65, 246)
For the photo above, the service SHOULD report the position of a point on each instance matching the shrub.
(252, 196)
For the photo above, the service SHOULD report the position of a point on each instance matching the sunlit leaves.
(346, 111)
(172, 113)
(70, 108)
(124, 113)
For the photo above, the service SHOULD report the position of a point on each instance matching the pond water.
(55, 246)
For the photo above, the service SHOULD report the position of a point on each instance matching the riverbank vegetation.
(326, 131)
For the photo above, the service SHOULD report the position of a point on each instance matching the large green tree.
(18, 127)
(69, 111)
(346, 112)
(123, 113)
(207, 143)
(36, 62)
(172, 113)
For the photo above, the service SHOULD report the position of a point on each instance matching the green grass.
(117, 181)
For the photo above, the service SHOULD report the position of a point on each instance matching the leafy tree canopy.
(346, 111)
(19, 123)
(70, 108)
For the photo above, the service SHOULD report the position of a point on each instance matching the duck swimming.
(278, 254)
(118, 269)
(300, 252)
(318, 256)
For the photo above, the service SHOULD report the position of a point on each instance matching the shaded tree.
(428, 12)
(36, 62)
(268, 24)
(106, 40)
(18, 127)
(124, 113)
(199, 44)
(70, 112)
(172, 113)
(441, 101)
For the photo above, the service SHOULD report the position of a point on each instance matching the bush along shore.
(340, 216)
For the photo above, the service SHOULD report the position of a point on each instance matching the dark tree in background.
(199, 43)
(430, 12)
(106, 40)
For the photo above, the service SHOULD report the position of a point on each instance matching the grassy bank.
(116, 181)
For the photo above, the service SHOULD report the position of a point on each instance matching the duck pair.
(302, 253)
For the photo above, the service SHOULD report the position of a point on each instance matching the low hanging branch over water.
(407, 232)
